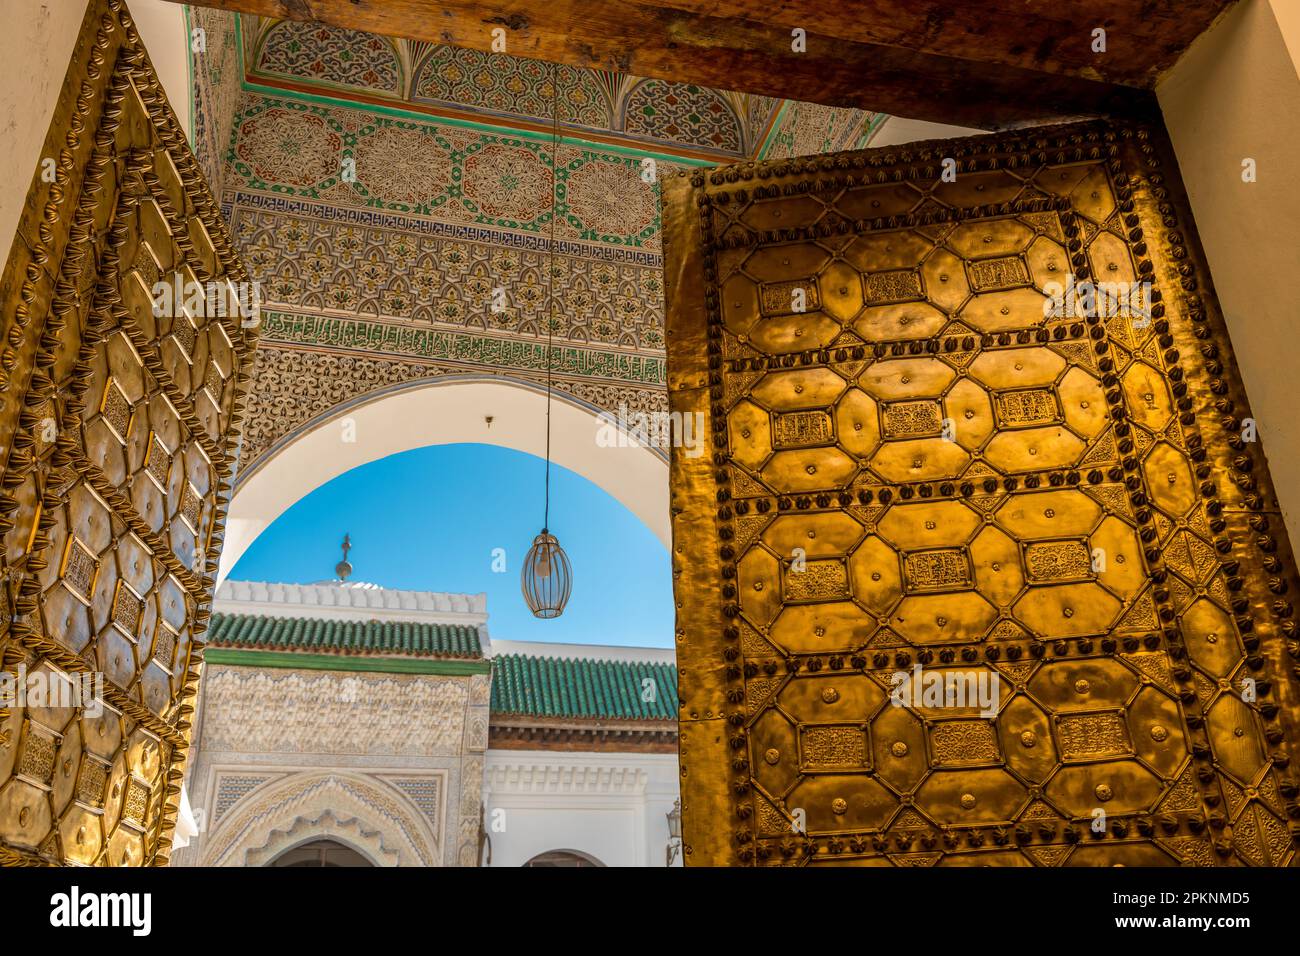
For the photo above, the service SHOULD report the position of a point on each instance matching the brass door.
(931, 466)
(117, 419)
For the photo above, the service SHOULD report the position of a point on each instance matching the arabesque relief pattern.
(505, 89)
(916, 464)
(217, 73)
(119, 418)
(433, 258)
(295, 387)
(439, 264)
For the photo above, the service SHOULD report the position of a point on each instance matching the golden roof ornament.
(343, 568)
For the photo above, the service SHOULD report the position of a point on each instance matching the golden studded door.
(981, 564)
(118, 407)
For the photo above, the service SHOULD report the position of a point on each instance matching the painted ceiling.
(496, 88)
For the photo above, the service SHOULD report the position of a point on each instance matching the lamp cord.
(550, 281)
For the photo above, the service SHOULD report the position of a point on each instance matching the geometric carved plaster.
(262, 710)
(299, 389)
(233, 787)
(363, 811)
(349, 831)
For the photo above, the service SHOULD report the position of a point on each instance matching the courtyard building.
(386, 728)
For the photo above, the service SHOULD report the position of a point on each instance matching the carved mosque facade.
(388, 722)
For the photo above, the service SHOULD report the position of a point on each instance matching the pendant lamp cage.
(547, 577)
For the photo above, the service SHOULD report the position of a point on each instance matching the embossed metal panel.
(922, 454)
(117, 421)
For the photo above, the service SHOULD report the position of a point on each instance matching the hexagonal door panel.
(119, 429)
(981, 566)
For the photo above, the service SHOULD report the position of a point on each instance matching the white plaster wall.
(36, 43)
(555, 801)
(1235, 94)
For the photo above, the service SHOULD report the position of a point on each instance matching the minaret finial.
(343, 569)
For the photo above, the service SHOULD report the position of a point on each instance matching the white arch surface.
(442, 411)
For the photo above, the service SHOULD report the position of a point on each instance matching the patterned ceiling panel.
(346, 59)
(683, 114)
(511, 86)
(507, 90)
(456, 175)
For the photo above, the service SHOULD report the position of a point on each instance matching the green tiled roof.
(333, 636)
(554, 687)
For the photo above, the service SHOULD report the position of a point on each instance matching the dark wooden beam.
(992, 64)
(1143, 37)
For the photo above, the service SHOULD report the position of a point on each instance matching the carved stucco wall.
(444, 80)
(215, 74)
(803, 129)
(290, 809)
(391, 764)
(392, 275)
(392, 278)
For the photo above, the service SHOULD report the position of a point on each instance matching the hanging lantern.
(547, 578)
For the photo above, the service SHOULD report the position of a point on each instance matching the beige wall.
(1236, 94)
(36, 44)
(37, 35)
(1287, 14)
(897, 130)
(162, 27)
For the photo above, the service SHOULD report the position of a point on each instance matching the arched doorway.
(563, 858)
(338, 807)
(320, 853)
(447, 410)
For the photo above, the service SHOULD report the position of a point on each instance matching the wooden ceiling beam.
(1143, 37)
(1009, 63)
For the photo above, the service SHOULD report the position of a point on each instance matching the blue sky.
(428, 519)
